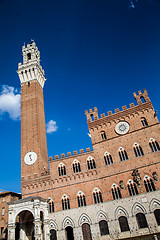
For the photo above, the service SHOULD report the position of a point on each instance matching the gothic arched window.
(116, 193)
(81, 199)
(86, 230)
(91, 163)
(103, 226)
(61, 169)
(122, 154)
(51, 206)
(123, 223)
(149, 184)
(138, 150)
(141, 220)
(97, 196)
(76, 166)
(144, 122)
(154, 145)
(157, 216)
(132, 188)
(103, 135)
(53, 234)
(108, 158)
(65, 202)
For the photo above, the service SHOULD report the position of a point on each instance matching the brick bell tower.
(34, 156)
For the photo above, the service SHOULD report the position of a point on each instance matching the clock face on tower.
(30, 158)
(122, 128)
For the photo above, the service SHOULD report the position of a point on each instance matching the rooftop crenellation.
(69, 154)
(141, 97)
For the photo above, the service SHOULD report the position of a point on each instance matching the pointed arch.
(61, 169)
(76, 166)
(120, 211)
(81, 199)
(138, 208)
(53, 225)
(84, 218)
(149, 184)
(138, 150)
(67, 222)
(101, 215)
(154, 204)
(97, 195)
(154, 145)
(116, 193)
(132, 187)
(91, 163)
(122, 154)
(65, 202)
(108, 158)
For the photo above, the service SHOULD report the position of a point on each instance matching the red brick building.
(111, 192)
(5, 198)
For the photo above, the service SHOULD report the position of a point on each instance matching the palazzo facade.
(110, 192)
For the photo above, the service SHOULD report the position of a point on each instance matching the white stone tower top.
(31, 69)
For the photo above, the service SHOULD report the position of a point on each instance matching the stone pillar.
(95, 232)
(46, 229)
(22, 232)
(37, 229)
(11, 231)
(61, 235)
(77, 233)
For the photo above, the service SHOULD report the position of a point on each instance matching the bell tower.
(34, 156)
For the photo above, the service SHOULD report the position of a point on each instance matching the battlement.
(69, 154)
(141, 98)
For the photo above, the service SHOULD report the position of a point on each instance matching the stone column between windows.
(132, 222)
(78, 233)
(61, 235)
(37, 229)
(152, 224)
(114, 229)
(46, 229)
(11, 231)
(95, 231)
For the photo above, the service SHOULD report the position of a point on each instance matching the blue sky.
(95, 53)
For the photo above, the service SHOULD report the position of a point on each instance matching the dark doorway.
(69, 233)
(53, 234)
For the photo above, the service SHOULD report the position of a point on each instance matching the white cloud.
(51, 126)
(10, 102)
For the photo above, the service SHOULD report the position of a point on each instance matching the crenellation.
(131, 105)
(81, 150)
(124, 107)
(116, 110)
(57, 157)
(88, 149)
(102, 115)
(109, 113)
(75, 152)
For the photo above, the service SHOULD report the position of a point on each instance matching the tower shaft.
(34, 157)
